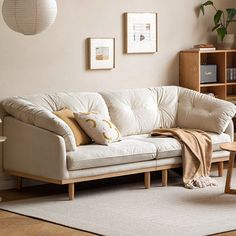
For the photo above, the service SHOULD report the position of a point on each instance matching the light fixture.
(29, 17)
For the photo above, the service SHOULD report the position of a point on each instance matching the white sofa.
(41, 146)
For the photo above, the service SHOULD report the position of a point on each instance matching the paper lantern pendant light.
(29, 17)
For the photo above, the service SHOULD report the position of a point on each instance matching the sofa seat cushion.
(170, 147)
(125, 151)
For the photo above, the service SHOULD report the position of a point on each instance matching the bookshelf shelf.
(190, 72)
(212, 85)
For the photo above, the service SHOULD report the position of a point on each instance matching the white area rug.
(129, 209)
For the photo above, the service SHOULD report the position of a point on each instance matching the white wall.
(55, 59)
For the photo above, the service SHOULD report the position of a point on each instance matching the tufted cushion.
(134, 111)
(37, 110)
(82, 102)
(200, 111)
(138, 111)
(27, 112)
(75, 101)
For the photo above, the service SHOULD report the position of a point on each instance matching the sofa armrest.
(30, 113)
(34, 151)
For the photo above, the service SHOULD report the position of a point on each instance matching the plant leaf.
(202, 9)
(231, 14)
(217, 16)
(222, 32)
(207, 3)
(215, 27)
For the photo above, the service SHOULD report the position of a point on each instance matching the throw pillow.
(67, 116)
(98, 127)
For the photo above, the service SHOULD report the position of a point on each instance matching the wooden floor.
(17, 225)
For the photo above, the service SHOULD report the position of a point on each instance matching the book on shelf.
(231, 74)
(204, 47)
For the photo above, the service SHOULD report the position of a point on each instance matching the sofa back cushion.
(38, 110)
(201, 111)
(134, 111)
(75, 101)
(139, 111)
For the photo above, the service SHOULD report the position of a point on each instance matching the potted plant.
(222, 20)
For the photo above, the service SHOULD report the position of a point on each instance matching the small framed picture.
(101, 53)
(140, 32)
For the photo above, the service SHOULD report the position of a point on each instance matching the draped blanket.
(196, 155)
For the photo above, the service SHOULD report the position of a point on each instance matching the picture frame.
(141, 32)
(101, 53)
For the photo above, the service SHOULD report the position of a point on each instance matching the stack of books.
(231, 74)
(204, 47)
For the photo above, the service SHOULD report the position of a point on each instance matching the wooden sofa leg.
(71, 190)
(164, 177)
(19, 183)
(147, 180)
(220, 168)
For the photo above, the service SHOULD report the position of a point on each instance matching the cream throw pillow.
(98, 127)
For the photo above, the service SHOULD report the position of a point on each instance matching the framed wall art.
(140, 32)
(101, 53)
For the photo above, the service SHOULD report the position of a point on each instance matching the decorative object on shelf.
(208, 74)
(29, 17)
(222, 20)
(101, 53)
(227, 42)
(140, 32)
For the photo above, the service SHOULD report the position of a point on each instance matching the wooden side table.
(231, 147)
(2, 139)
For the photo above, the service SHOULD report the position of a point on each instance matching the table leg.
(229, 174)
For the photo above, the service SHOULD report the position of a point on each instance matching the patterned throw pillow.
(98, 127)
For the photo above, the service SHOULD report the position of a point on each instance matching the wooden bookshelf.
(190, 72)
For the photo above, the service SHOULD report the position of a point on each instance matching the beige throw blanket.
(196, 155)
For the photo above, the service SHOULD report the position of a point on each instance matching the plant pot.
(227, 43)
